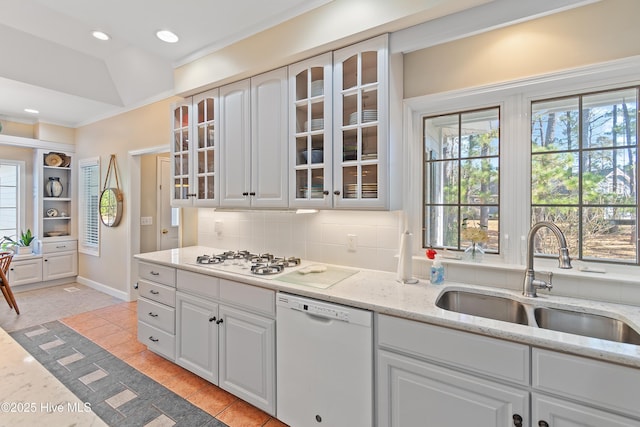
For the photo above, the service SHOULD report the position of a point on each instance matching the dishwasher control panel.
(315, 308)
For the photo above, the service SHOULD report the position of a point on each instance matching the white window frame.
(21, 199)
(89, 248)
(514, 99)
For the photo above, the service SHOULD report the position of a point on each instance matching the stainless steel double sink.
(533, 314)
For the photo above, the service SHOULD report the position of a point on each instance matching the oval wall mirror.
(111, 207)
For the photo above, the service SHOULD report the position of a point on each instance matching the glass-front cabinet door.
(206, 177)
(194, 160)
(181, 192)
(361, 125)
(310, 100)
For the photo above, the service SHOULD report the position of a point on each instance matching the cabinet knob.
(253, 193)
(325, 192)
(336, 192)
(245, 193)
(212, 319)
(219, 321)
(151, 338)
(517, 420)
(152, 314)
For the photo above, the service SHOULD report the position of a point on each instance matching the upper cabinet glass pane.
(210, 115)
(302, 85)
(201, 111)
(317, 81)
(369, 67)
(350, 72)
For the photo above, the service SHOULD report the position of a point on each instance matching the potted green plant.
(23, 244)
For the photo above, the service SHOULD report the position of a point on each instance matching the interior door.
(168, 217)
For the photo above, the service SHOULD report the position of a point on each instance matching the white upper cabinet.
(235, 144)
(253, 142)
(181, 154)
(269, 166)
(195, 162)
(310, 133)
(361, 123)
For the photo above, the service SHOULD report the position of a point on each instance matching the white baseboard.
(103, 288)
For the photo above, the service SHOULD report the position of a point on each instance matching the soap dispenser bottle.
(437, 272)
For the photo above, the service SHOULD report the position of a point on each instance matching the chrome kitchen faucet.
(531, 284)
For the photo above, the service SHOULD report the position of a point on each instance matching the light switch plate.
(146, 220)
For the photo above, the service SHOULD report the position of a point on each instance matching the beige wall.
(600, 32)
(23, 130)
(334, 25)
(138, 129)
(49, 132)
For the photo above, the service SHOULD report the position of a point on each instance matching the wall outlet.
(218, 228)
(146, 220)
(352, 242)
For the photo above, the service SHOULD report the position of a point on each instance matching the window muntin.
(584, 173)
(10, 191)
(461, 177)
(89, 198)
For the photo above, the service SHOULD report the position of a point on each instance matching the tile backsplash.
(320, 236)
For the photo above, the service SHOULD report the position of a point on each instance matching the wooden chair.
(5, 261)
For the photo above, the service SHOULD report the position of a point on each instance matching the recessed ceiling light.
(100, 35)
(167, 36)
(31, 110)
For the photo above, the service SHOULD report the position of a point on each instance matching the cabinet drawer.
(157, 292)
(199, 284)
(595, 382)
(157, 341)
(253, 297)
(474, 353)
(64, 246)
(157, 273)
(157, 315)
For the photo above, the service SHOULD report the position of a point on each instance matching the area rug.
(119, 394)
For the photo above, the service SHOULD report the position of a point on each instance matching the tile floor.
(114, 328)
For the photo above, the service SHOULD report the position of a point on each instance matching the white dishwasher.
(324, 363)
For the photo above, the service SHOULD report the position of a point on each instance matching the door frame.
(133, 213)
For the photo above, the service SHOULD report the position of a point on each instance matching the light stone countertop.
(31, 396)
(380, 292)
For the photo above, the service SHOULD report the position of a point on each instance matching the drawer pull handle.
(219, 321)
(212, 319)
(152, 314)
(153, 339)
(154, 292)
(154, 273)
(61, 247)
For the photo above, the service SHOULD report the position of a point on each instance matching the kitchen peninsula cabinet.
(225, 333)
(194, 159)
(253, 141)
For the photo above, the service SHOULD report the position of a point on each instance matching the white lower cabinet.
(434, 376)
(24, 271)
(59, 265)
(247, 356)
(197, 336)
(553, 412)
(156, 309)
(225, 333)
(417, 393)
